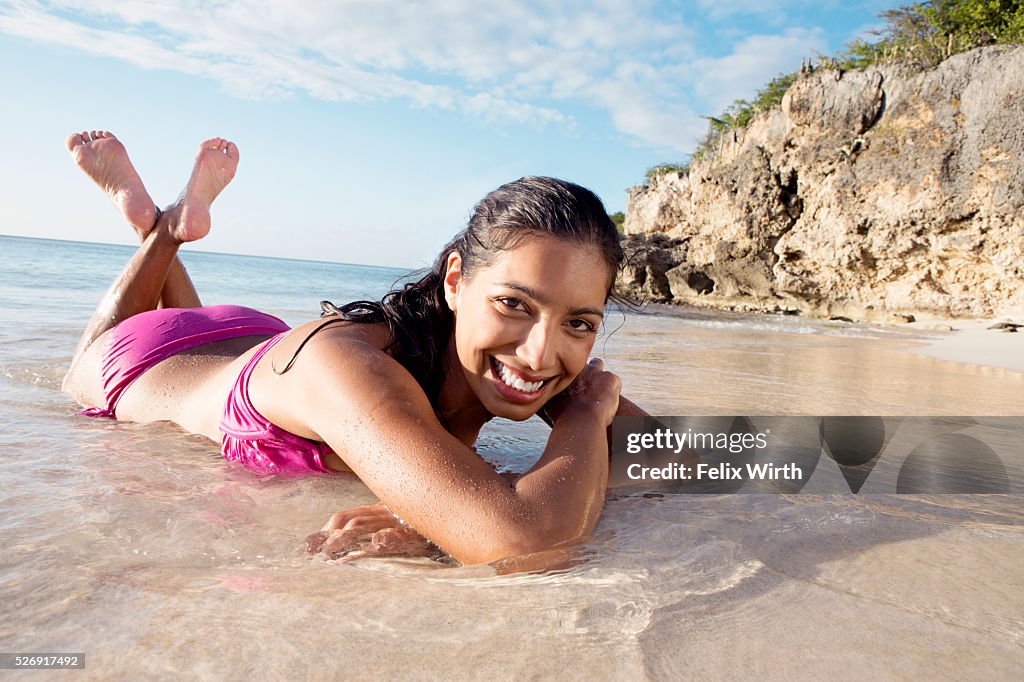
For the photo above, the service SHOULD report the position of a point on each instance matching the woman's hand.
(592, 388)
(368, 531)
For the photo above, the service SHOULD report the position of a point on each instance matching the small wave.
(47, 375)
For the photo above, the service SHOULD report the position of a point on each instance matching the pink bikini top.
(251, 439)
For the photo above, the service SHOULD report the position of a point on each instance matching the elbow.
(490, 553)
(502, 552)
(522, 540)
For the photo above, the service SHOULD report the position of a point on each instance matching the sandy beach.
(775, 364)
(974, 342)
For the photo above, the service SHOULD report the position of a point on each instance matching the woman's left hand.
(368, 531)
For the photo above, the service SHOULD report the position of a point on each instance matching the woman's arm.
(372, 412)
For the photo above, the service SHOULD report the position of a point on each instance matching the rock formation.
(871, 195)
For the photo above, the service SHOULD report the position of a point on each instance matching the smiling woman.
(395, 390)
(534, 312)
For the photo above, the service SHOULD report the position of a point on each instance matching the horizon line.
(407, 270)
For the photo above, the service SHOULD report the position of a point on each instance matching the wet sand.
(975, 342)
(141, 547)
(698, 362)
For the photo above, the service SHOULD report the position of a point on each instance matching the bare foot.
(215, 166)
(105, 160)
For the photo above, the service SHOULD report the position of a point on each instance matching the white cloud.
(499, 60)
(753, 62)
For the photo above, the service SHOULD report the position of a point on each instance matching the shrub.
(619, 218)
(663, 168)
(924, 32)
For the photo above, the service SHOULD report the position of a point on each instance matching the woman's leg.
(140, 285)
(104, 159)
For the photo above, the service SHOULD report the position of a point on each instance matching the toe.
(74, 140)
(232, 150)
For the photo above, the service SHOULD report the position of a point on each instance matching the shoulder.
(327, 332)
(318, 338)
(347, 364)
(336, 375)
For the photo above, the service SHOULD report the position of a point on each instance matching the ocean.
(138, 546)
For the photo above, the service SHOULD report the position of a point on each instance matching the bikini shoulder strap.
(327, 309)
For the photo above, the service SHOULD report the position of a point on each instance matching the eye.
(582, 326)
(511, 302)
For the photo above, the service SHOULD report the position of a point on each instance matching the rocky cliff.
(871, 195)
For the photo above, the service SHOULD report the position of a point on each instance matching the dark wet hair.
(417, 314)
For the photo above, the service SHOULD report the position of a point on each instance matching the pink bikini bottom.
(142, 341)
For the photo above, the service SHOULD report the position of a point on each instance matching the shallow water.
(139, 546)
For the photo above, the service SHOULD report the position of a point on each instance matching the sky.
(368, 129)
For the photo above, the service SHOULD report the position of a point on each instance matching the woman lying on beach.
(395, 391)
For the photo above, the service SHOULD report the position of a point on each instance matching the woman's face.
(525, 325)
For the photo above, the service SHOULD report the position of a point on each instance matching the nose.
(540, 348)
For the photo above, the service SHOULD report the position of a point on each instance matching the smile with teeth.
(512, 381)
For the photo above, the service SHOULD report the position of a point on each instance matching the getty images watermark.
(923, 455)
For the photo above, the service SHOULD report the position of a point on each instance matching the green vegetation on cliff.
(923, 32)
(619, 218)
(930, 32)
